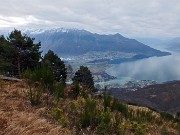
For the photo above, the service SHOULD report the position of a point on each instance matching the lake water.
(160, 69)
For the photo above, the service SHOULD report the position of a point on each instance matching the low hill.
(162, 97)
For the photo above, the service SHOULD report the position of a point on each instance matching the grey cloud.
(131, 18)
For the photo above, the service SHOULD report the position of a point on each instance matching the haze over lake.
(160, 69)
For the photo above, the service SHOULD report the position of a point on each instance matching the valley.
(99, 52)
(117, 63)
(90, 67)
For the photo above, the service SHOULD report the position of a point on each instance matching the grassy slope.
(18, 117)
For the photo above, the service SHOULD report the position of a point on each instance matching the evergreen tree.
(76, 89)
(178, 115)
(6, 57)
(57, 65)
(26, 52)
(84, 77)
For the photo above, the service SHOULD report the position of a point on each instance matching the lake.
(160, 69)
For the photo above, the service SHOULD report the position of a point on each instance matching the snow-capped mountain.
(54, 30)
(77, 42)
(66, 42)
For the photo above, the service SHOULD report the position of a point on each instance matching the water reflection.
(160, 69)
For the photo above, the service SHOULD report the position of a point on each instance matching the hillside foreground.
(18, 117)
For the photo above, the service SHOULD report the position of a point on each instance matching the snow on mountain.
(65, 42)
(77, 42)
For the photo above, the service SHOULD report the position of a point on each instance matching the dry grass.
(18, 117)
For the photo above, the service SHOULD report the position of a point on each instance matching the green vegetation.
(75, 89)
(18, 53)
(58, 66)
(42, 79)
(88, 115)
(178, 115)
(38, 81)
(84, 77)
(166, 116)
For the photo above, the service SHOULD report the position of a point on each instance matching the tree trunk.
(19, 66)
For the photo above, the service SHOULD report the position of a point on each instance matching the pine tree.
(57, 65)
(26, 52)
(84, 77)
(6, 57)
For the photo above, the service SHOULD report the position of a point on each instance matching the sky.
(132, 18)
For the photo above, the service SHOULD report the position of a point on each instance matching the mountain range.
(66, 42)
(171, 44)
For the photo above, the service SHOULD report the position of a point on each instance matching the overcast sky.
(133, 18)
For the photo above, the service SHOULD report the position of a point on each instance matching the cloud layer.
(133, 18)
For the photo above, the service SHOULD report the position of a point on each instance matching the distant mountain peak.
(35, 31)
(54, 30)
(79, 41)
